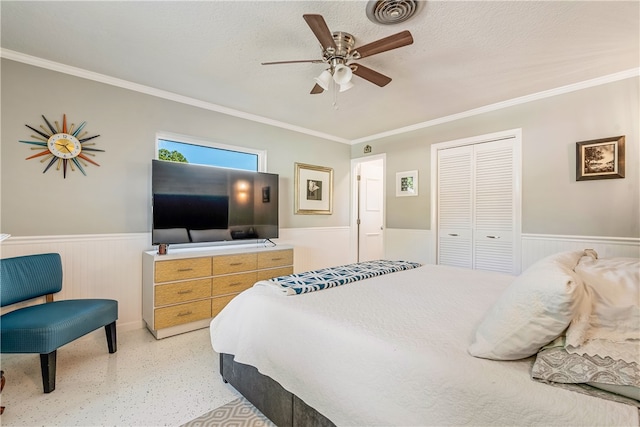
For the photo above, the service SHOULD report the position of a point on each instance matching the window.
(180, 148)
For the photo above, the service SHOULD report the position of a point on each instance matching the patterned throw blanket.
(330, 277)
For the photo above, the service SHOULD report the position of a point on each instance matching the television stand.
(184, 289)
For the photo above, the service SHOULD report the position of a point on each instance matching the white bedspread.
(392, 350)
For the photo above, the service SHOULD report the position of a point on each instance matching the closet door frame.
(516, 136)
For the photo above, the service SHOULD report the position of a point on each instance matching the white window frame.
(176, 137)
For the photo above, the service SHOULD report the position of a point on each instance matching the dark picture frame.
(600, 159)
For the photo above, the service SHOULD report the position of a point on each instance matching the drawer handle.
(184, 269)
(236, 263)
(185, 313)
(185, 292)
(493, 237)
(453, 234)
(276, 259)
(235, 283)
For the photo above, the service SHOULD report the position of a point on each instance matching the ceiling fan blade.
(321, 31)
(373, 76)
(395, 41)
(316, 89)
(314, 61)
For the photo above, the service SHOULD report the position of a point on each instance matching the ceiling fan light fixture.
(342, 74)
(324, 79)
(338, 53)
(346, 86)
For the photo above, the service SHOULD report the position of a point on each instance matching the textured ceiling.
(465, 55)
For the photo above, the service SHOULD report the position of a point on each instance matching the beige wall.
(115, 197)
(553, 202)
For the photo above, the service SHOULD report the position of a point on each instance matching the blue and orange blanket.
(316, 280)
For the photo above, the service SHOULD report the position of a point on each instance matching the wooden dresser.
(184, 289)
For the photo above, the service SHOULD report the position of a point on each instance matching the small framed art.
(407, 183)
(600, 159)
(313, 190)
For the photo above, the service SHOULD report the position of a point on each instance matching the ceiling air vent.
(389, 12)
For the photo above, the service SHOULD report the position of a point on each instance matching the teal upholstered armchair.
(43, 328)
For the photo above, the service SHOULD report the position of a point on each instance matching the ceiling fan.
(339, 53)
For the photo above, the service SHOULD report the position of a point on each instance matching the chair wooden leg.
(48, 367)
(112, 340)
(2, 381)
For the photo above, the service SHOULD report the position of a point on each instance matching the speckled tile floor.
(147, 382)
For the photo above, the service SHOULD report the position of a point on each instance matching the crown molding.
(622, 75)
(102, 78)
(85, 74)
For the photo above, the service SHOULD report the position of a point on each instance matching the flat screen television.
(207, 204)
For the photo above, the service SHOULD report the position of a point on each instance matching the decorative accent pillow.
(559, 366)
(534, 310)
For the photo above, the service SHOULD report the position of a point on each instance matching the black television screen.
(201, 204)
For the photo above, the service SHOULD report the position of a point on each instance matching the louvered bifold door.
(476, 206)
(494, 216)
(455, 206)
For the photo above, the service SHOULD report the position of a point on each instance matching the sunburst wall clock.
(65, 146)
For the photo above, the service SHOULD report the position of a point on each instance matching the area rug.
(237, 413)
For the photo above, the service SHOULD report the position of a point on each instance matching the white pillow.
(610, 324)
(534, 310)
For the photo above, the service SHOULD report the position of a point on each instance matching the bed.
(432, 345)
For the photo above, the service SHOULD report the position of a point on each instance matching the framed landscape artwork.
(313, 190)
(600, 159)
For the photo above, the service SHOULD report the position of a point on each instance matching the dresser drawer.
(233, 283)
(275, 258)
(274, 272)
(218, 303)
(234, 263)
(172, 293)
(182, 313)
(179, 269)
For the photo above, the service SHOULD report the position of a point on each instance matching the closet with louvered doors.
(478, 206)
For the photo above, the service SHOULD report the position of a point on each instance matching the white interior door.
(370, 209)
(455, 208)
(494, 206)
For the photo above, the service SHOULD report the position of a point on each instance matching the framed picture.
(600, 159)
(407, 183)
(313, 191)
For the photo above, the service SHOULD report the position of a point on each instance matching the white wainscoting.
(110, 265)
(317, 247)
(409, 245)
(417, 245)
(538, 246)
(94, 266)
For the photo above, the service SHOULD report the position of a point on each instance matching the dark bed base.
(280, 406)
